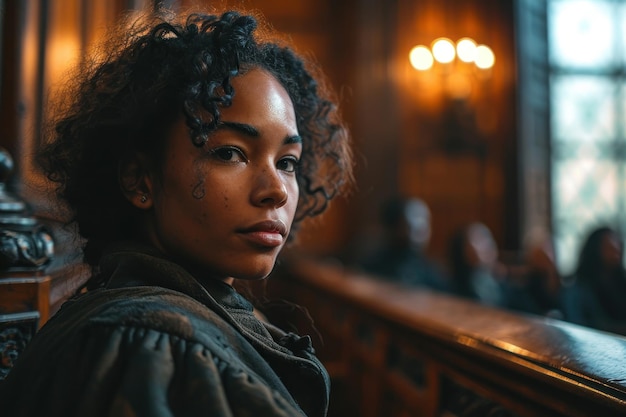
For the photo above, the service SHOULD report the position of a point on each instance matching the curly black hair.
(159, 67)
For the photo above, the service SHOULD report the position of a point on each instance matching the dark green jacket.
(156, 342)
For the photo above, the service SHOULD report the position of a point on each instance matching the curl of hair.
(153, 70)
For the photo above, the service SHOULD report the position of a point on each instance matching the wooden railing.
(397, 351)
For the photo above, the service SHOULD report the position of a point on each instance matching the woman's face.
(481, 247)
(224, 210)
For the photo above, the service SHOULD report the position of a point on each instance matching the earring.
(143, 198)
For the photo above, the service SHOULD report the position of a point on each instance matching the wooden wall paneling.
(20, 82)
(434, 154)
(410, 386)
(99, 16)
(374, 122)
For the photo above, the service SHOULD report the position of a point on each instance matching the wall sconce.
(454, 60)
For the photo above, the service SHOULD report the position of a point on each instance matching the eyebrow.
(251, 131)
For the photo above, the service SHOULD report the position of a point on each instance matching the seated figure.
(402, 257)
(475, 271)
(594, 294)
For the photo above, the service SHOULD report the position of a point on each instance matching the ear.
(136, 181)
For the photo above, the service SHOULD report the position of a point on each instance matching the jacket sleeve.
(143, 372)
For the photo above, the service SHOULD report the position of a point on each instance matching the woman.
(594, 293)
(475, 272)
(188, 156)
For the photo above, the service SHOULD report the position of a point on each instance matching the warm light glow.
(420, 57)
(484, 57)
(466, 49)
(443, 50)
(454, 73)
(458, 86)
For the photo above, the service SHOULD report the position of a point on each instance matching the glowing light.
(452, 67)
(466, 49)
(459, 86)
(484, 57)
(420, 57)
(443, 50)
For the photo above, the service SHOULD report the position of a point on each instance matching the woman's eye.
(229, 154)
(287, 164)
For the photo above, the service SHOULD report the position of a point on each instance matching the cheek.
(227, 192)
(294, 198)
(199, 183)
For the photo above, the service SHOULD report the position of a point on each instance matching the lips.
(268, 233)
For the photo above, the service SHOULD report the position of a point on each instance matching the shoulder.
(113, 317)
(119, 348)
(156, 308)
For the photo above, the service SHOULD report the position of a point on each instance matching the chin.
(256, 272)
(258, 275)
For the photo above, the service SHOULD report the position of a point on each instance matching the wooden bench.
(397, 351)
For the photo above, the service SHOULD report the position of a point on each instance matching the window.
(587, 107)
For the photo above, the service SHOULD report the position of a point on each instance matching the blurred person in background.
(475, 271)
(538, 287)
(596, 294)
(403, 256)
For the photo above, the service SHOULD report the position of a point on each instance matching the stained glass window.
(587, 58)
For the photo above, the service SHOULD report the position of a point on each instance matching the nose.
(270, 188)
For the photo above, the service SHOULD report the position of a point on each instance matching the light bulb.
(485, 57)
(466, 49)
(443, 50)
(420, 57)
